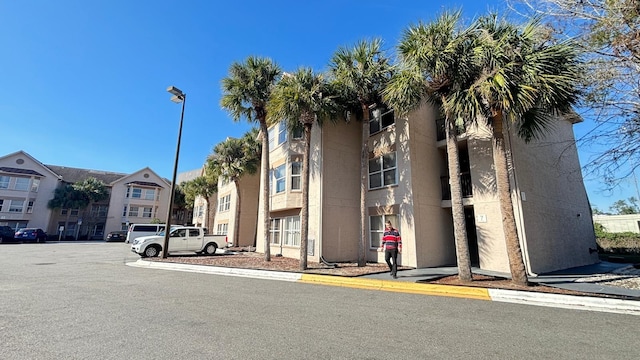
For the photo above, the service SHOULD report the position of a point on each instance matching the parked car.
(181, 239)
(116, 236)
(31, 234)
(6, 234)
(139, 230)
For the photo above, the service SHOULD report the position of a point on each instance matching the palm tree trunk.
(265, 189)
(304, 212)
(364, 175)
(236, 230)
(207, 218)
(457, 209)
(516, 261)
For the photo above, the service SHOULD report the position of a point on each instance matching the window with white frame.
(199, 210)
(382, 171)
(4, 182)
(133, 210)
(147, 212)
(279, 178)
(222, 229)
(150, 194)
(136, 193)
(74, 212)
(296, 170)
(16, 206)
(30, 207)
(64, 211)
(285, 230)
(225, 203)
(376, 228)
(282, 132)
(291, 232)
(274, 231)
(21, 184)
(379, 119)
(35, 184)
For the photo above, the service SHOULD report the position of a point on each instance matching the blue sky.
(85, 81)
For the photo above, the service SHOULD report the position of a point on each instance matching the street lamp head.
(177, 99)
(175, 91)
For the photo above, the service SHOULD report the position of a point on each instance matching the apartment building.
(408, 184)
(237, 213)
(27, 185)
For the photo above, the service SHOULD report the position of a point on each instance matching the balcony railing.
(465, 183)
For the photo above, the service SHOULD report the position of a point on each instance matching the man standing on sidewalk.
(392, 245)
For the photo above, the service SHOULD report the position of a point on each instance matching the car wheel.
(151, 251)
(210, 249)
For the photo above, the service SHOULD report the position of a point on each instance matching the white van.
(138, 230)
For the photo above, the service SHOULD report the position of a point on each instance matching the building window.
(99, 210)
(296, 169)
(64, 211)
(35, 185)
(292, 231)
(1, 203)
(16, 206)
(21, 184)
(147, 212)
(225, 203)
(124, 211)
(285, 230)
(222, 229)
(282, 132)
(30, 207)
(150, 194)
(279, 177)
(199, 211)
(4, 182)
(297, 133)
(74, 212)
(376, 228)
(133, 211)
(136, 193)
(274, 231)
(382, 171)
(379, 119)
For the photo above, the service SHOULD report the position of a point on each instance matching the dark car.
(116, 236)
(31, 234)
(6, 234)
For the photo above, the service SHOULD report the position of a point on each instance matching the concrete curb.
(618, 306)
(249, 273)
(629, 307)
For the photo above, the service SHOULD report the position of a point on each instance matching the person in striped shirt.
(392, 245)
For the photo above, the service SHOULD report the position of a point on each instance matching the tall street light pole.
(178, 97)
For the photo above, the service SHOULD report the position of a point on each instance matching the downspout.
(518, 205)
(321, 196)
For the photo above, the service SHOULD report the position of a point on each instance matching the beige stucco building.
(227, 214)
(27, 185)
(408, 184)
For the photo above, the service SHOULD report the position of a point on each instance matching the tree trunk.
(207, 218)
(265, 189)
(304, 212)
(364, 175)
(457, 209)
(236, 228)
(516, 261)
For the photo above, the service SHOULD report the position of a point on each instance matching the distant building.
(619, 223)
(27, 185)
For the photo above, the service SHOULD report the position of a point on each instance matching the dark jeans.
(392, 254)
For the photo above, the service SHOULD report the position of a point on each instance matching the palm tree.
(526, 80)
(246, 92)
(233, 158)
(435, 65)
(301, 99)
(204, 186)
(361, 73)
(78, 196)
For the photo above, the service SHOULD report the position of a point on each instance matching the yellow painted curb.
(398, 286)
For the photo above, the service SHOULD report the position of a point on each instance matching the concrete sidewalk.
(408, 281)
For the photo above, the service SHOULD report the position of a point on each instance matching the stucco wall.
(551, 195)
